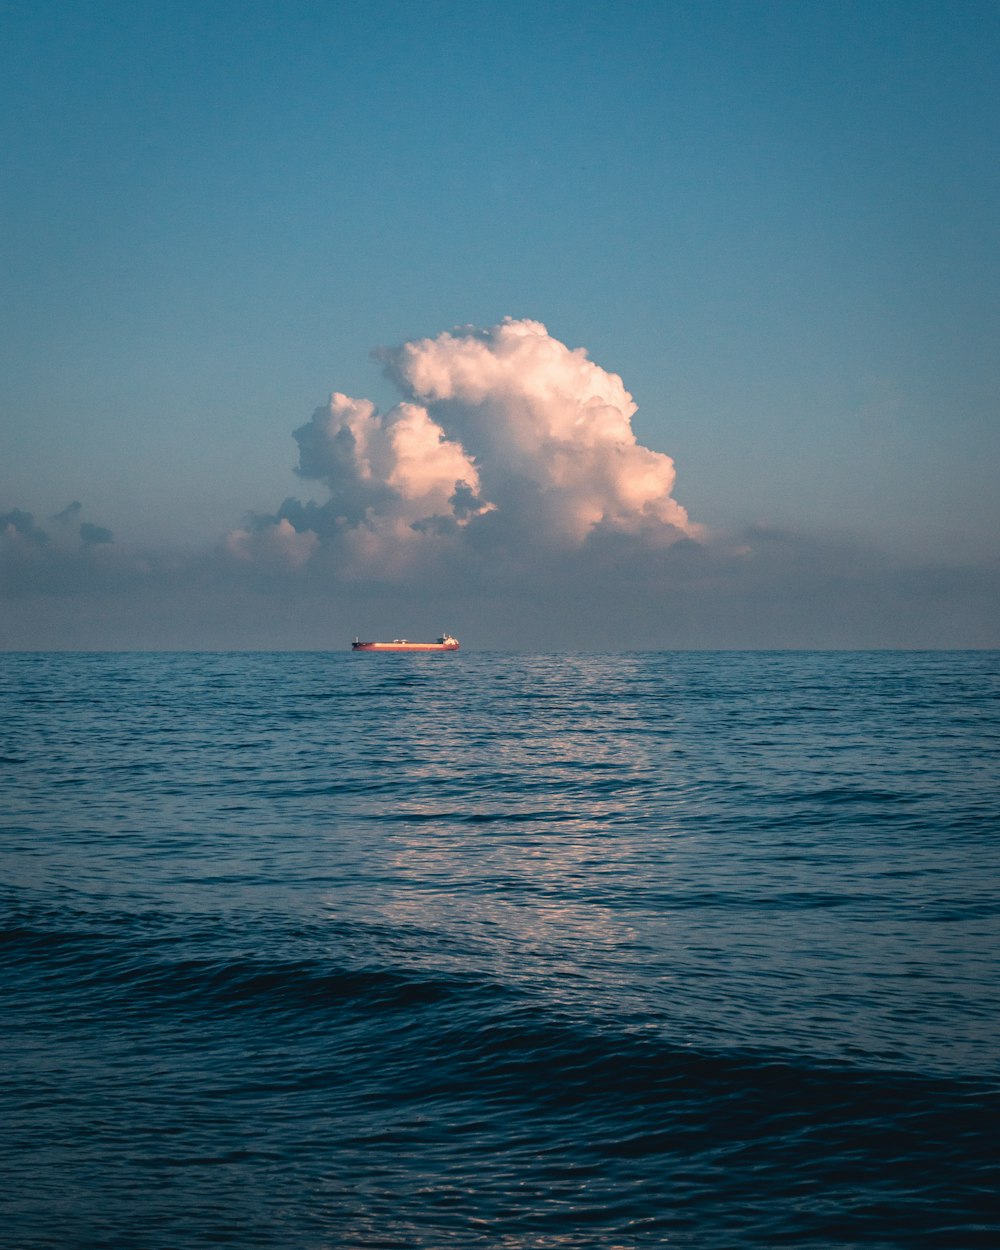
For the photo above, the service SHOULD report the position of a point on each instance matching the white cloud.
(506, 440)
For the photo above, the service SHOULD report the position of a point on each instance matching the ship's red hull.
(404, 646)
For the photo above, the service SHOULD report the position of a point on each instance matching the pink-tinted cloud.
(277, 544)
(506, 439)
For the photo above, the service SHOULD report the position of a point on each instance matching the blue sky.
(776, 222)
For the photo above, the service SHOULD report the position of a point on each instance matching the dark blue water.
(332, 950)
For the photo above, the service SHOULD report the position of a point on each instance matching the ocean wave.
(509, 953)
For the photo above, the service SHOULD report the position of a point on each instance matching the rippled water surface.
(483, 950)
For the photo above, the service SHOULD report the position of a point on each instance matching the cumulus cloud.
(551, 430)
(64, 552)
(504, 438)
(70, 514)
(18, 529)
(274, 544)
(94, 535)
(70, 526)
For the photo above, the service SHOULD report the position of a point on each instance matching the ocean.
(321, 950)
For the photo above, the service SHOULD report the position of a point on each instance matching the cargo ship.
(444, 643)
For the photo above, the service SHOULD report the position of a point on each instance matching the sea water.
(490, 950)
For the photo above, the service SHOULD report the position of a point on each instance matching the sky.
(554, 325)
